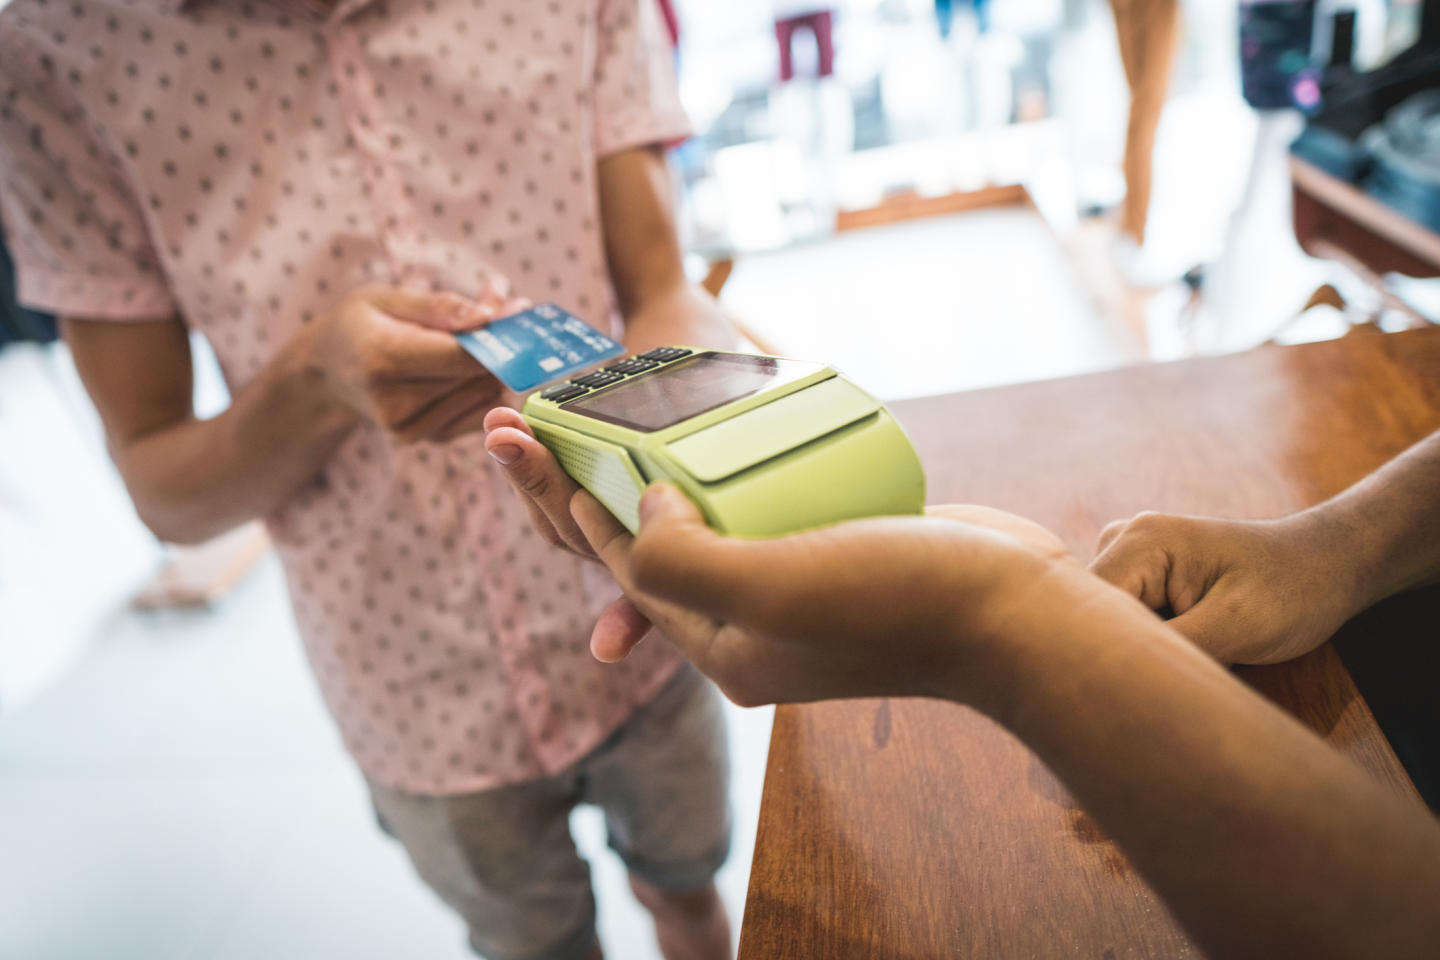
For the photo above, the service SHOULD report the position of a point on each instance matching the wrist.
(992, 628)
(298, 378)
(1043, 637)
(683, 314)
(1342, 560)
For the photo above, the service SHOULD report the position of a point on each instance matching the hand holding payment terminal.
(763, 445)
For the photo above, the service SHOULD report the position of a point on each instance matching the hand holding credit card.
(534, 347)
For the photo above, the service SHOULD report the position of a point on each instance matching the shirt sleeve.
(78, 238)
(637, 101)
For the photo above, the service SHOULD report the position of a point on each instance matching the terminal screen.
(687, 388)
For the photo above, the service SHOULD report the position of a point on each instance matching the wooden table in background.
(918, 829)
(1336, 220)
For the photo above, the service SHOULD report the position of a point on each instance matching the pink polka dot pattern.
(245, 163)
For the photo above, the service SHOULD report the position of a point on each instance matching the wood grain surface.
(919, 829)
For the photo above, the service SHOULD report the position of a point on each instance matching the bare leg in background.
(1147, 31)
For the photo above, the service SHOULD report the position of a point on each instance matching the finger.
(536, 476)
(681, 559)
(1213, 626)
(1140, 569)
(409, 352)
(462, 401)
(438, 392)
(693, 633)
(468, 420)
(542, 526)
(471, 422)
(438, 311)
(507, 416)
(1112, 530)
(1021, 530)
(619, 629)
(397, 403)
(788, 586)
(498, 417)
(495, 291)
(607, 537)
(750, 670)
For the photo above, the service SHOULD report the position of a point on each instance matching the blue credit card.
(544, 343)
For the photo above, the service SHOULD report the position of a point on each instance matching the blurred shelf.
(1337, 220)
(909, 205)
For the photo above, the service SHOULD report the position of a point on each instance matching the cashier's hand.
(888, 606)
(546, 489)
(1244, 591)
(870, 607)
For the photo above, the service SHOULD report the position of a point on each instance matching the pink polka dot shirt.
(243, 164)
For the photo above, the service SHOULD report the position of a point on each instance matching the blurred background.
(933, 195)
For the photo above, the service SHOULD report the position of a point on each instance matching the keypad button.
(666, 354)
(633, 365)
(570, 392)
(598, 379)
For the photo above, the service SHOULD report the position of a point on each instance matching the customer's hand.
(1244, 591)
(390, 356)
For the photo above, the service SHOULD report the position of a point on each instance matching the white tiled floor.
(181, 794)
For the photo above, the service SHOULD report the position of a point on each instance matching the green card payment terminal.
(763, 445)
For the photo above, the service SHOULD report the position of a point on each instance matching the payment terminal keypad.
(630, 366)
(600, 378)
(666, 354)
(633, 365)
(565, 391)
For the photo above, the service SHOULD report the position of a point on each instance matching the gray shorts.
(505, 860)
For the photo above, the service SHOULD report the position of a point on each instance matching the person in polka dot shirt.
(325, 192)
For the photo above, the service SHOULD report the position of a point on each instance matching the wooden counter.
(918, 829)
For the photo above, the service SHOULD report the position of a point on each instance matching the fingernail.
(506, 453)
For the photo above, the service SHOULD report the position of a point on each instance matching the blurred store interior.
(933, 199)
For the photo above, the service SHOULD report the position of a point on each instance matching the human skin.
(1262, 840)
(1270, 590)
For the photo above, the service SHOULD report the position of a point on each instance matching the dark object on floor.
(1194, 278)
(17, 324)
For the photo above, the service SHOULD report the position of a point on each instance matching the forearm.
(661, 307)
(1387, 526)
(195, 479)
(680, 313)
(1262, 840)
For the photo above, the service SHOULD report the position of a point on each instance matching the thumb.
(678, 557)
(1139, 569)
(663, 505)
(1211, 626)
